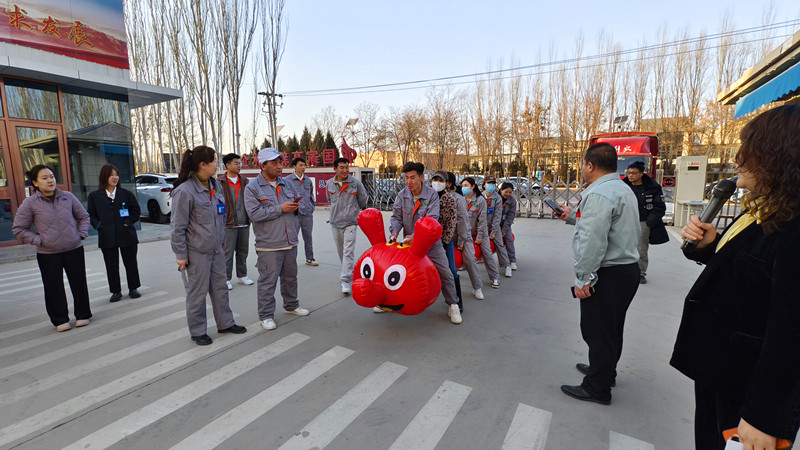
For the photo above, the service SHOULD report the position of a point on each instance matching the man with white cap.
(271, 202)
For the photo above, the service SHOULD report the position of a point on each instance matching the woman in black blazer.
(113, 212)
(739, 338)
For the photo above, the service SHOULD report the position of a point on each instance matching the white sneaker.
(230, 286)
(245, 280)
(299, 312)
(311, 262)
(513, 266)
(455, 314)
(496, 284)
(508, 272)
(81, 323)
(268, 324)
(346, 288)
(64, 327)
(377, 310)
(478, 294)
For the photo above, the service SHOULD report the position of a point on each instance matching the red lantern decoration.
(396, 277)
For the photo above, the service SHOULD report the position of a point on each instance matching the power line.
(681, 42)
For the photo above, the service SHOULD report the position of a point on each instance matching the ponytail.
(190, 162)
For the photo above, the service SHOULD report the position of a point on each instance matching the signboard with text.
(91, 30)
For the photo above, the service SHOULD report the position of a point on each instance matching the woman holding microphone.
(198, 233)
(738, 339)
(113, 212)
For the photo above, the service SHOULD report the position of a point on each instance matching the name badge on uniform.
(489, 211)
(124, 211)
(469, 213)
(221, 208)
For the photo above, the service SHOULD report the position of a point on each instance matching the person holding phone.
(113, 211)
(606, 271)
(271, 203)
(738, 338)
(476, 211)
(197, 226)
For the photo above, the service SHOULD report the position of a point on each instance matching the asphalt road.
(343, 377)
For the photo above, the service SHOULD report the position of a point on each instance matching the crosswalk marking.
(110, 434)
(33, 276)
(617, 441)
(324, 429)
(39, 286)
(528, 429)
(84, 345)
(430, 424)
(35, 270)
(52, 416)
(126, 316)
(219, 430)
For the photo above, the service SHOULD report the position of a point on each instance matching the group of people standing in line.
(60, 224)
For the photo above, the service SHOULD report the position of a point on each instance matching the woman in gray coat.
(476, 211)
(61, 226)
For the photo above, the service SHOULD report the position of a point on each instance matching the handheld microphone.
(722, 192)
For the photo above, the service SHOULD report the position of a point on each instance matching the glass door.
(8, 200)
(32, 145)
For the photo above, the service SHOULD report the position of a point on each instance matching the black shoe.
(579, 393)
(235, 329)
(134, 293)
(584, 369)
(115, 297)
(642, 279)
(202, 340)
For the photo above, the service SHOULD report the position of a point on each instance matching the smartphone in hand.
(554, 206)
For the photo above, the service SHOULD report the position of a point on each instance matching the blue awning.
(786, 83)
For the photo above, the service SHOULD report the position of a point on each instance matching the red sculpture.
(396, 277)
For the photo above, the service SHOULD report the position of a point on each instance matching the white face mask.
(438, 185)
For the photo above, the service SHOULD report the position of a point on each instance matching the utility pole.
(272, 108)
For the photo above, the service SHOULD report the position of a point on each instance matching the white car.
(153, 191)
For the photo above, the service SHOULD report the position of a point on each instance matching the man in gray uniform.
(347, 197)
(304, 187)
(237, 224)
(271, 202)
(415, 201)
(606, 270)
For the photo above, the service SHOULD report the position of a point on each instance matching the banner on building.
(91, 30)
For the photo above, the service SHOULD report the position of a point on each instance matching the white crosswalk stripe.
(139, 419)
(528, 429)
(430, 424)
(38, 285)
(322, 430)
(234, 420)
(617, 441)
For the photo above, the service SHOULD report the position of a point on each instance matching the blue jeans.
(451, 258)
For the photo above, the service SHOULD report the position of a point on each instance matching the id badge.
(221, 208)
(489, 211)
(124, 213)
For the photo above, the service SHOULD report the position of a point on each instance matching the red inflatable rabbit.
(396, 277)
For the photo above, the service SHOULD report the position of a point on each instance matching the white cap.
(268, 154)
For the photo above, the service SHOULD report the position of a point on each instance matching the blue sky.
(362, 42)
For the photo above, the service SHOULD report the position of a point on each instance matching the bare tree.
(443, 135)
(405, 130)
(328, 120)
(366, 130)
(273, 43)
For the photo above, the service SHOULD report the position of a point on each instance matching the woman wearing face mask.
(113, 212)
(198, 232)
(61, 226)
(494, 212)
(509, 213)
(463, 239)
(476, 211)
(447, 218)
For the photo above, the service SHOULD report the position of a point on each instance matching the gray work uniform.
(347, 200)
(465, 243)
(494, 215)
(509, 213)
(276, 243)
(476, 211)
(304, 188)
(197, 233)
(237, 226)
(405, 213)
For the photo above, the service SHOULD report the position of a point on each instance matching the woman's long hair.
(770, 151)
(190, 162)
(473, 184)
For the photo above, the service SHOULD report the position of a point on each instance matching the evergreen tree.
(465, 168)
(292, 145)
(265, 144)
(281, 145)
(318, 143)
(330, 143)
(305, 140)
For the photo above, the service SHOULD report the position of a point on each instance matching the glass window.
(3, 176)
(6, 220)
(39, 146)
(29, 100)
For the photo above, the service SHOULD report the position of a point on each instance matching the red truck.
(632, 146)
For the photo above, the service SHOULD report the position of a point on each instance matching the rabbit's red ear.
(427, 231)
(370, 221)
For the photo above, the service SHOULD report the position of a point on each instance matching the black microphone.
(722, 192)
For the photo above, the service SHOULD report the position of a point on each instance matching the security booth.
(66, 102)
(690, 182)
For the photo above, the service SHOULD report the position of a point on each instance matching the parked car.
(153, 191)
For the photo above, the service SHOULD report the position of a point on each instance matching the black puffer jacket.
(652, 209)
